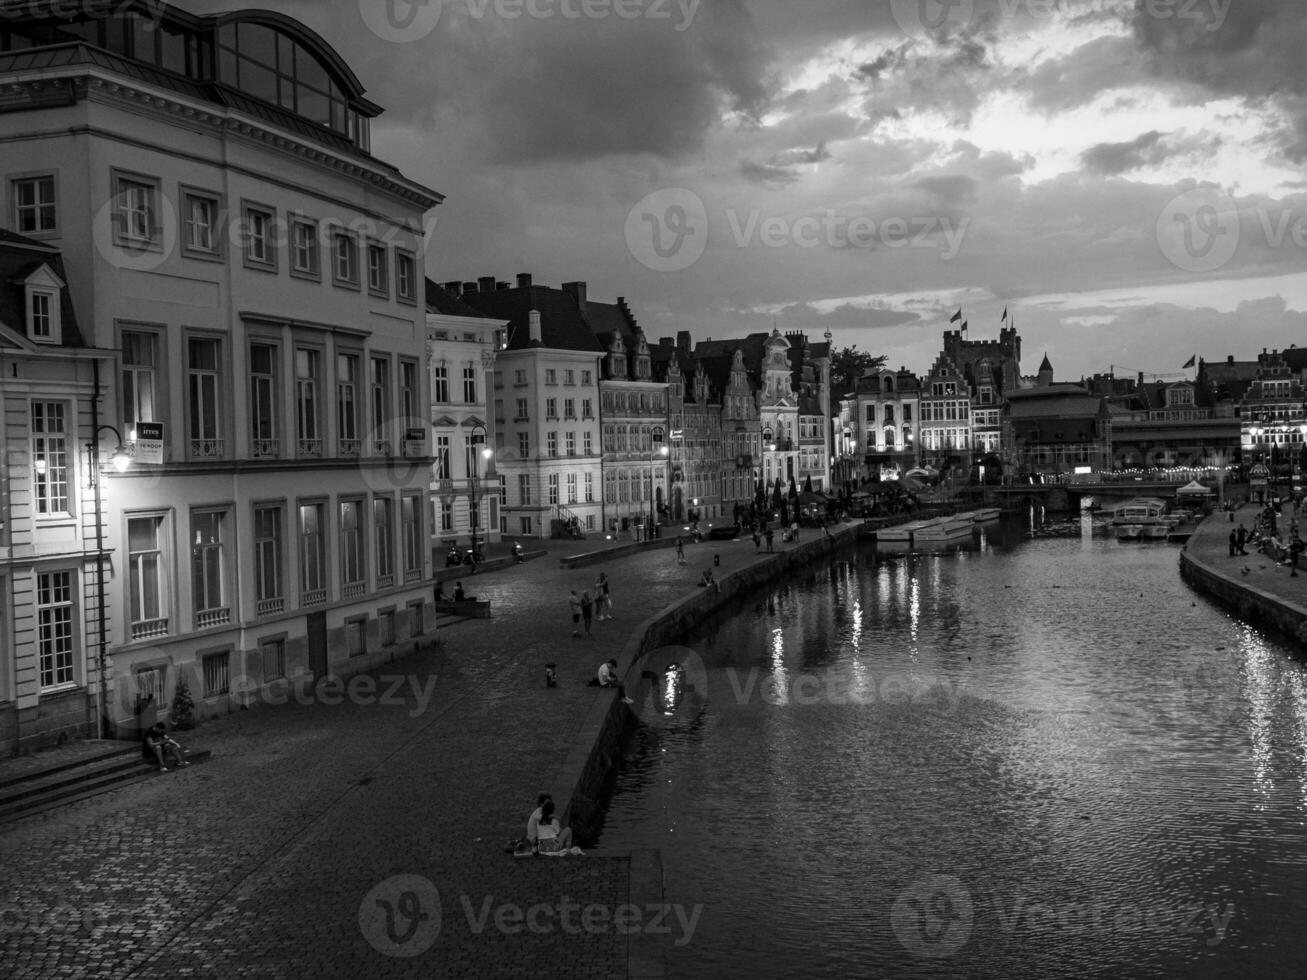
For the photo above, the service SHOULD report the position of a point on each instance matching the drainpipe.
(99, 551)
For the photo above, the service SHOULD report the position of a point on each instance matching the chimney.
(487, 284)
(454, 288)
(469, 287)
(576, 290)
(666, 342)
(533, 329)
(501, 285)
(524, 280)
(683, 340)
(1229, 358)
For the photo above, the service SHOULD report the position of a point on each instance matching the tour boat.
(1142, 517)
(945, 531)
(900, 534)
(987, 515)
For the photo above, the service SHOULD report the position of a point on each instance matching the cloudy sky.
(1125, 177)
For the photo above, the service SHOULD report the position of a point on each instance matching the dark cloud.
(768, 175)
(1251, 49)
(1080, 77)
(1145, 150)
(948, 188)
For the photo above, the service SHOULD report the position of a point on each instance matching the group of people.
(587, 607)
(1265, 538)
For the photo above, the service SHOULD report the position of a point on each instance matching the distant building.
(880, 424)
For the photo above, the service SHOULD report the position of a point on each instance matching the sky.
(1124, 177)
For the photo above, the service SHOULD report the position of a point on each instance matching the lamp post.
(121, 461)
(661, 453)
(486, 452)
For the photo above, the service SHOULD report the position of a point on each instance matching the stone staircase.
(40, 783)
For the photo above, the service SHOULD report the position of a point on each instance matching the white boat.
(1142, 517)
(945, 531)
(1129, 532)
(900, 534)
(987, 515)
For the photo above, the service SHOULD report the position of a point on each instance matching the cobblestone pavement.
(1211, 545)
(358, 836)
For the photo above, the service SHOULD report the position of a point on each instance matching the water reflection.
(1053, 735)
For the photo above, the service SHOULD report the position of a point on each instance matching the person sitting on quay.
(607, 677)
(459, 594)
(708, 582)
(551, 839)
(156, 742)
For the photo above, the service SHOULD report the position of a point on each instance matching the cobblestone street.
(285, 854)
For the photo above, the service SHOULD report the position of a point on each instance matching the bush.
(183, 706)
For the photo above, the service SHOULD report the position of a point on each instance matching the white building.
(227, 232)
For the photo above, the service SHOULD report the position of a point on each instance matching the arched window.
(890, 438)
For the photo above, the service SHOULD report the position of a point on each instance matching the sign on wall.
(148, 445)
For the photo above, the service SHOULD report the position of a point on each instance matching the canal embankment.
(1254, 587)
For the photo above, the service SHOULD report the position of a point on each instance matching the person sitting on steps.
(459, 594)
(156, 742)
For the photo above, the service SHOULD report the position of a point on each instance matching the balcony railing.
(212, 617)
(261, 448)
(206, 448)
(270, 607)
(385, 581)
(309, 447)
(146, 628)
(353, 590)
(313, 597)
(381, 447)
(348, 447)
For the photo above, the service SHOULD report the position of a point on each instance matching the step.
(121, 748)
(56, 779)
(60, 790)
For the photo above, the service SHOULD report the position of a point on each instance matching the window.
(356, 633)
(553, 488)
(257, 235)
(140, 360)
(203, 403)
(136, 212)
(571, 488)
(585, 377)
(525, 523)
(587, 411)
(551, 408)
(268, 595)
(50, 458)
(200, 212)
(524, 488)
(411, 520)
(54, 628)
(522, 414)
(443, 464)
(408, 390)
(272, 653)
(34, 205)
(446, 516)
(551, 376)
(383, 522)
(345, 259)
(41, 306)
(405, 276)
(145, 578)
(440, 383)
(416, 626)
(571, 444)
(313, 555)
(569, 377)
(551, 441)
(519, 377)
(470, 384)
(386, 627)
(587, 444)
(263, 400)
(353, 567)
(347, 409)
(306, 402)
(217, 673)
(569, 408)
(304, 258)
(379, 378)
(524, 445)
(207, 569)
(589, 488)
(378, 275)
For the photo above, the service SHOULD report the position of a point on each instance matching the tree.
(183, 706)
(850, 364)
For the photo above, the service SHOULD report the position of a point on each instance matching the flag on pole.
(1004, 318)
(1190, 363)
(956, 316)
(964, 326)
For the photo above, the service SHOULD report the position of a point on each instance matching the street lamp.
(486, 453)
(661, 453)
(120, 461)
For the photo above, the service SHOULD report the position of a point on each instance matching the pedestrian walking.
(769, 535)
(1241, 538)
(680, 551)
(608, 599)
(587, 610)
(1234, 544)
(574, 603)
(757, 540)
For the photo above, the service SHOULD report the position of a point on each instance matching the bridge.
(1059, 497)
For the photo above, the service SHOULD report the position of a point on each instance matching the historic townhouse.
(1058, 428)
(740, 462)
(461, 346)
(810, 368)
(991, 368)
(945, 426)
(696, 435)
(546, 406)
(880, 430)
(53, 589)
(227, 232)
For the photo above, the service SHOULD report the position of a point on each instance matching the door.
(317, 641)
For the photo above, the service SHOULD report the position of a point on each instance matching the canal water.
(1039, 757)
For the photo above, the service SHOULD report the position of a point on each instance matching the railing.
(309, 447)
(314, 597)
(381, 447)
(149, 627)
(349, 447)
(206, 448)
(353, 590)
(412, 575)
(212, 617)
(265, 447)
(385, 581)
(270, 607)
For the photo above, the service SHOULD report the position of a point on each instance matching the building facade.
(227, 231)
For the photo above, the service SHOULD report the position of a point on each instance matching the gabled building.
(54, 567)
(1273, 411)
(548, 452)
(695, 411)
(225, 227)
(945, 427)
(739, 463)
(881, 428)
(810, 379)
